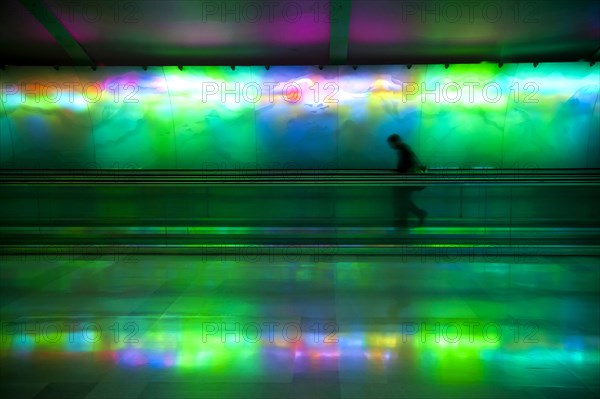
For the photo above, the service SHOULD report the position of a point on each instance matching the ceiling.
(296, 32)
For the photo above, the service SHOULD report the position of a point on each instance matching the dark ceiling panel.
(185, 32)
(24, 41)
(39, 10)
(384, 31)
(280, 32)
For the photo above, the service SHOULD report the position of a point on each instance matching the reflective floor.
(278, 326)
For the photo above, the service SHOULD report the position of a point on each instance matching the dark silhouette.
(402, 196)
(404, 206)
(407, 160)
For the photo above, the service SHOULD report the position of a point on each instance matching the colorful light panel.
(476, 115)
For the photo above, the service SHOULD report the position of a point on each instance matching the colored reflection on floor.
(133, 326)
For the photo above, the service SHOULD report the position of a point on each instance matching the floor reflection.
(180, 327)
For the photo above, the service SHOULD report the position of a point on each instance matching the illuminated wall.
(300, 117)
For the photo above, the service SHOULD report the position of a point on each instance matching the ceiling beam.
(44, 16)
(339, 31)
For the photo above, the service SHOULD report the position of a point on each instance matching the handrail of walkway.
(266, 178)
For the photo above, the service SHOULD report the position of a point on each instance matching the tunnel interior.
(197, 207)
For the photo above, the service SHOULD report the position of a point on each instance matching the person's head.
(394, 141)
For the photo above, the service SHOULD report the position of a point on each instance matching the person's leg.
(400, 205)
(421, 214)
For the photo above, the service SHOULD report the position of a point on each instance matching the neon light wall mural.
(463, 116)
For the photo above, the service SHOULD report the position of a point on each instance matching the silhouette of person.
(402, 196)
(407, 160)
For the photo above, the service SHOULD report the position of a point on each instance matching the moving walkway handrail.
(439, 177)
